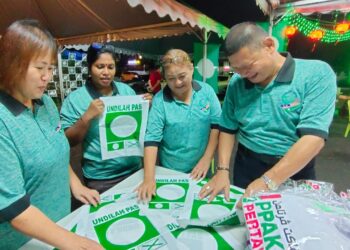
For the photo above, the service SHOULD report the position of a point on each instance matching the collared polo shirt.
(74, 106)
(299, 101)
(181, 131)
(34, 160)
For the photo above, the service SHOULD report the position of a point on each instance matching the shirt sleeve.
(228, 121)
(69, 113)
(319, 102)
(156, 122)
(13, 197)
(215, 109)
(130, 90)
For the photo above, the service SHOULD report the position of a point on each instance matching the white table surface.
(132, 181)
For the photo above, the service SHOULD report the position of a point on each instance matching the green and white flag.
(211, 64)
(171, 192)
(121, 226)
(122, 126)
(198, 212)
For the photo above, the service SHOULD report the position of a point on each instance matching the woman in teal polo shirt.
(34, 153)
(79, 115)
(182, 124)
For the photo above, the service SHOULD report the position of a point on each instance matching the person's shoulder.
(159, 96)
(235, 81)
(160, 99)
(200, 83)
(124, 88)
(312, 66)
(78, 93)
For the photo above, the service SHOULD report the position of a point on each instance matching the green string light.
(306, 26)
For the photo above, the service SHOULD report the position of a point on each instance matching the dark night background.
(229, 12)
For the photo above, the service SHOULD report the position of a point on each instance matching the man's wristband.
(223, 168)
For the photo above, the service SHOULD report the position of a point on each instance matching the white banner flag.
(122, 126)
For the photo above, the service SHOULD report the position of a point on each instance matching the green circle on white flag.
(196, 237)
(124, 126)
(125, 231)
(209, 211)
(171, 192)
(209, 68)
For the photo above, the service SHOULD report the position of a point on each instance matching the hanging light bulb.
(316, 35)
(341, 28)
(290, 31)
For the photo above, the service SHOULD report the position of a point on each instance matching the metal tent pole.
(204, 59)
(60, 74)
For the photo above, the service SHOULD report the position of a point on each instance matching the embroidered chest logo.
(204, 105)
(290, 102)
(59, 127)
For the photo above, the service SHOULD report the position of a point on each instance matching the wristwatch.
(269, 183)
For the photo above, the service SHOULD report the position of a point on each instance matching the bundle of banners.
(302, 215)
(174, 219)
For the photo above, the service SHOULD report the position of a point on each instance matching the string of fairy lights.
(317, 30)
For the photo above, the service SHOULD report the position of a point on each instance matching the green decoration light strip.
(306, 26)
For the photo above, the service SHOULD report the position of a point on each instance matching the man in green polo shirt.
(278, 108)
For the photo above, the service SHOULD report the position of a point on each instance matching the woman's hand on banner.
(86, 195)
(200, 170)
(220, 182)
(146, 190)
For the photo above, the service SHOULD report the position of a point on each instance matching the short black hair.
(96, 49)
(246, 34)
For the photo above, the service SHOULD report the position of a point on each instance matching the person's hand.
(200, 170)
(220, 182)
(82, 243)
(258, 185)
(146, 190)
(149, 89)
(85, 195)
(148, 96)
(95, 109)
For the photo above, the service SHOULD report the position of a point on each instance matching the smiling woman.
(182, 124)
(35, 175)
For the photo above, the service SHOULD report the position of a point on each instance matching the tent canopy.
(306, 7)
(87, 21)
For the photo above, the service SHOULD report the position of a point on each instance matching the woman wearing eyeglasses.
(182, 124)
(80, 113)
(34, 153)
